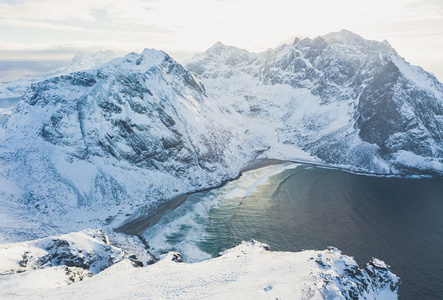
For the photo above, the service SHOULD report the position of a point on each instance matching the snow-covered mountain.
(83, 148)
(341, 98)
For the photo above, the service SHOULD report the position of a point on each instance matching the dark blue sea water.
(398, 220)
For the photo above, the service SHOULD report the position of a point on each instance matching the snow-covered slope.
(344, 99)
(82, 148)
(248, 270)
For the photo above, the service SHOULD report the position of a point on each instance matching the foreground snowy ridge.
(89, 250)
(248, 270)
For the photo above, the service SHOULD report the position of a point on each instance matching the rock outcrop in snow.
(31, 267)
(88, 250)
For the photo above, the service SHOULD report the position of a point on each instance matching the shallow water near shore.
(294, 206)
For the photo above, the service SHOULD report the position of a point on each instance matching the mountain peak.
(347, 32)
(217, 48)
(145, 60)
(84, 57)
(217, 45)
(89, 60)
(152, 52)
(344, 36)
(153, 55)
(348, 39)
(385, 42)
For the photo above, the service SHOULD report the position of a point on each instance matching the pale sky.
(55, 29)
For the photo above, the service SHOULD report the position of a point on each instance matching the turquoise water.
(398, 220)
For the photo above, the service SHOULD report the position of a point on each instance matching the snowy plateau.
(95, 144)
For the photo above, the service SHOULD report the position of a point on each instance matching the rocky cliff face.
(344, 99)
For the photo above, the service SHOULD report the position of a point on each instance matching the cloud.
(84, 10)
(50, 25)
(40, 24)
(194, 25)
(46, 9)
(429, 3)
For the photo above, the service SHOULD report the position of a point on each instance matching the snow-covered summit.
(346, 38)
(88, 60)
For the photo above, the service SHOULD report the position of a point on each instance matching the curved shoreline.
(154, 214)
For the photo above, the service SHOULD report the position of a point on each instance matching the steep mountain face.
(82, 148)
(339, 97)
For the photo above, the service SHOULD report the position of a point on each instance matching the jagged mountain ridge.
(368, 109)
(86, 147)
